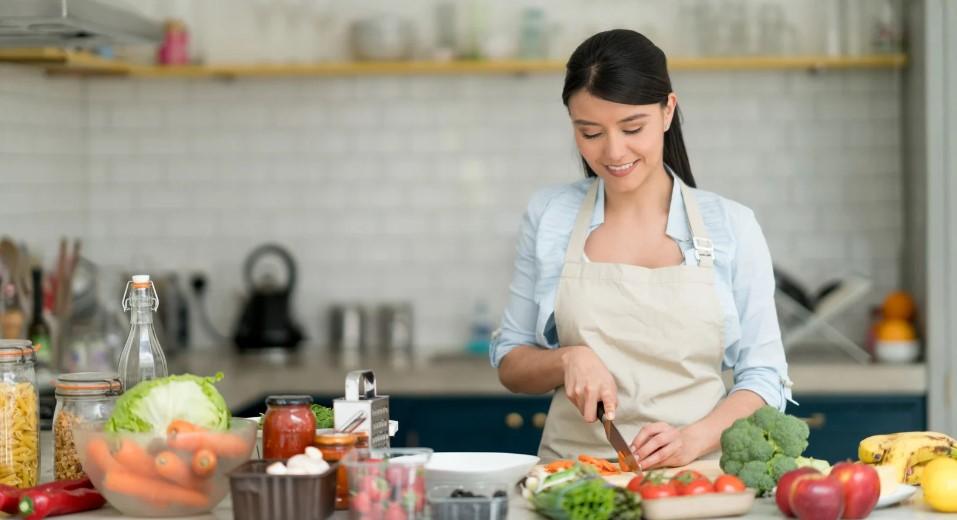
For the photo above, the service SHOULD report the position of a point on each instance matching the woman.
(649, 287)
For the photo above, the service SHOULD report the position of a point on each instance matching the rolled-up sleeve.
(757, 358)
(521, 312)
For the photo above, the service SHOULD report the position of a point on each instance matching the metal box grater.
(361, 397)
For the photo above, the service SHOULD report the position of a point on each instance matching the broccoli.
(762, 447)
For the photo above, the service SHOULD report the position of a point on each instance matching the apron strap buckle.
(703, 248)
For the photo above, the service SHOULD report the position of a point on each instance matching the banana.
(904, 452)
(915, 474)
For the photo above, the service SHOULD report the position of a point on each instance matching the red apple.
(817, 497)
(861, 487)
(785, 483)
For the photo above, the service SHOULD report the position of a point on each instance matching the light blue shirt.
(744, 281)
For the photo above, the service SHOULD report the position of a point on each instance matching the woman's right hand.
(587, 381)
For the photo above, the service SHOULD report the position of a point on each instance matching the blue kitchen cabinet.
(456, 423)
(514, 423)
(839, 422)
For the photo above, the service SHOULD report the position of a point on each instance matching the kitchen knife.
(626, 459)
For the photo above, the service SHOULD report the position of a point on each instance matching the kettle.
(265, 321)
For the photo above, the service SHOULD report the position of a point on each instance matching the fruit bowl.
(159, 475)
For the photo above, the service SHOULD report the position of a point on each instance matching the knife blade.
(625, 457)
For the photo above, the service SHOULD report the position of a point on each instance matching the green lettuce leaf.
(151, 405)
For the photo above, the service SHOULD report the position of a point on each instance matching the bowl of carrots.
(180, 472)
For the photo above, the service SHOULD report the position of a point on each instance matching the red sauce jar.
(289, 426)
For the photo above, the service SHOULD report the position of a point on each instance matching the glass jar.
(19, 414)
(81, 398)
(334, 447)
(289, 426)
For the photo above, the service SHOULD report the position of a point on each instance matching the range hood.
(73, 23)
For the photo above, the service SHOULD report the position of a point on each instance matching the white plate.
(462, 468)
(902, 493)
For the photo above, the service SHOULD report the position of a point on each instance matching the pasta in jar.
(19, 435)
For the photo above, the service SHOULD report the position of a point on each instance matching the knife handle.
(600, 412)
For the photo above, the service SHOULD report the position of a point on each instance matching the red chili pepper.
(10, 496)
(41, 504)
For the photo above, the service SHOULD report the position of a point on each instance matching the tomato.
(728, 484)
(653, 485)
(690, 482)
(697, 487)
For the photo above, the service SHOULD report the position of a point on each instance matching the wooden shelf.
(60, 62)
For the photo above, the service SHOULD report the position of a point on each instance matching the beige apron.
(659, 332)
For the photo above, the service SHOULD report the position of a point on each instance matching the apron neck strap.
(576, 244)
(703, 247)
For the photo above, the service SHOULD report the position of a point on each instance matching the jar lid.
(17, 350)
(95, 383)
(288, 400)
(336, 439)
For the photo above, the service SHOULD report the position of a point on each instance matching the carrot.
(204, 463)
(173, 469)
(134, 458)
(178, 426)
(224, 444)
(99, 452)
(558, 465)
(152, 490)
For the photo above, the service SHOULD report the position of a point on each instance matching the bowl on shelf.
(905, 351)
(465, 468)
(151, 474)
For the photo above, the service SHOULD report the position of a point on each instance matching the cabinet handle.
(816, 421)
(514, 420)
(538, 420)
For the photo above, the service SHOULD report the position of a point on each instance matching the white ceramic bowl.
(897, 351)
(463, 468)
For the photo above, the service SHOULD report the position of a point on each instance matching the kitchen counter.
(764, 509)
(250, 377)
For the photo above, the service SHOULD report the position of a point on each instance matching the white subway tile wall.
(412, 188)
(43, 159)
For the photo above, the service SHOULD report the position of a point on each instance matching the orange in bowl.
(898, 305)
(895, 330)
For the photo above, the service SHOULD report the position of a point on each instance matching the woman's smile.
(621, 170)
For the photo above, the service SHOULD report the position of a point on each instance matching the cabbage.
(151, 405)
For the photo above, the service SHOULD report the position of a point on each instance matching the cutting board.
(708, 468)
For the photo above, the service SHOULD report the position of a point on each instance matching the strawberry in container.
(387, 483)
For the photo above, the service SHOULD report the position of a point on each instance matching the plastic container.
(145, 496)
(258, 495)
(81, 398)
(20, 419)
(387, 479)
(491, 502)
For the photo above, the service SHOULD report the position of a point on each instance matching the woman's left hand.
(661, 445)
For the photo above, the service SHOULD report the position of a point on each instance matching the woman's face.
(623, 144)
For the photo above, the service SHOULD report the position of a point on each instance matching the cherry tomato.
(653, 485)
(728, 484)
(697, 487)
(690, 482)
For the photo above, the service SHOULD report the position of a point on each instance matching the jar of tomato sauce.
(289, 426)
(334, 446)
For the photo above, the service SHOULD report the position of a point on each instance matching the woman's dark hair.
(622, 66)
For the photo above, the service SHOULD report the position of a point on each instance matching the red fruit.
(397, 476)
(690, 482)
(860, 485)
(395, 512)
(785, 485)
(817, 497)
(728, 484)
(361, 502)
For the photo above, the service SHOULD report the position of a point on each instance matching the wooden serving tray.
(708, 468)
